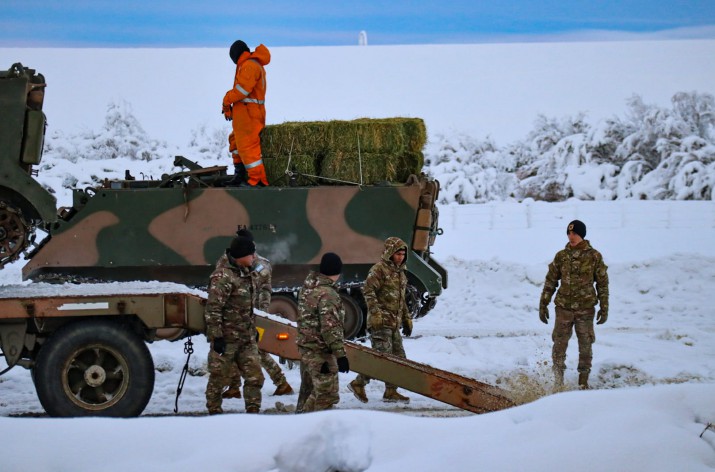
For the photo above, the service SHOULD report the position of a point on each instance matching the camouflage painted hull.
(177, 234)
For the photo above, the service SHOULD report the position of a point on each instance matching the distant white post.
(362, 39)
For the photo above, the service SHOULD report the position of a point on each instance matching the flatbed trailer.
(88, 356)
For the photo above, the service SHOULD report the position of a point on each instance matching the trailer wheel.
(94, 368)
(353, 316)
(284, 305)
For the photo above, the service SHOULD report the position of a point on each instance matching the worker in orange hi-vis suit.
(245, 105)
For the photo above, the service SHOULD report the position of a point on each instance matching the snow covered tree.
(471, 171)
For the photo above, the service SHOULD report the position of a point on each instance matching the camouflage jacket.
(577, 268)
(321, 316)
(385, 287)
(229, 308)
(261, 271)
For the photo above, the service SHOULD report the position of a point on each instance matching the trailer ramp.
(468, 394)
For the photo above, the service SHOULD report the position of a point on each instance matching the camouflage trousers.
(270, 366)
(220, 366)
(566, 322)
(384, 340)
(318, 391)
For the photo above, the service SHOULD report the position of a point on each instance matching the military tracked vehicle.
(24, 204)
(175, 228)
(85, 344)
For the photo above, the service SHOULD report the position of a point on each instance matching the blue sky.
(180, 23)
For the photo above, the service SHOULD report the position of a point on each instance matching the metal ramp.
(468, 394)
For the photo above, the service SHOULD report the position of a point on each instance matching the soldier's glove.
(226, 110)
(343, 365)
(325, 368)
(544, 313)
(602, 316)
(407, 327)
(219, 346)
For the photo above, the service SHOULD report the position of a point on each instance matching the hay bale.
(306, 138)
(346, 166)
(366, 135)
(415, 132)
(413, 161)
(276, 167)
(390, 148)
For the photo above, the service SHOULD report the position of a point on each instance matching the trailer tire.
(94, 368)
(284, 305)
(354, 317)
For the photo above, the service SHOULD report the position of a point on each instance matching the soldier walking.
(320, 337)
(384, 294)
(261, 272)
(231, 328)
(578, 266)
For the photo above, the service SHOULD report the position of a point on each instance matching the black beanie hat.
(237, 48)
(241, 246)
(331, 264)
(243, 232)
(577, 227)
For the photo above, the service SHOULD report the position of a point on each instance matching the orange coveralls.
(247, 98)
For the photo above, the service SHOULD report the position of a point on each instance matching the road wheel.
(14, 233)
(353, 316)
(94, 368)
(284, 305)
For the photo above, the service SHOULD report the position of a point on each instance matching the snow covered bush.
(470, 171)
(121, 136)
(651, 153)
(209, 144)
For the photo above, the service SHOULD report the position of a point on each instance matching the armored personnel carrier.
(175, 228)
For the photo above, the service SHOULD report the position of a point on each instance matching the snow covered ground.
(654, 361)
(654, 369)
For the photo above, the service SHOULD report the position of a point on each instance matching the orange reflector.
(282, 336)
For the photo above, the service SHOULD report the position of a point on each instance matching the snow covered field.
(654, 361)
(654, 368)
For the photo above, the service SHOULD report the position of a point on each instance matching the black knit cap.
(577, 227)
(237, 48)
(331, 264)
(241, 247)
(243, 232)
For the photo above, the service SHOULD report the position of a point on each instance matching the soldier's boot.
(232, 392)
(583, 381)
(240, 176)
(358, 391)
(253, 410)
(283, 389)
(391, 396)
(215, 411)
(558, 379)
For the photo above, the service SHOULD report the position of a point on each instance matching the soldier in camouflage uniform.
(384, 294)
(578, 267)
(261, 272)
(320, 337)
(231, 328)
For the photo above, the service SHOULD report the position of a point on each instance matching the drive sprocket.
(15, 233)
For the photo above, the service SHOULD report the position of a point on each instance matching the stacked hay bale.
(360, 151)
